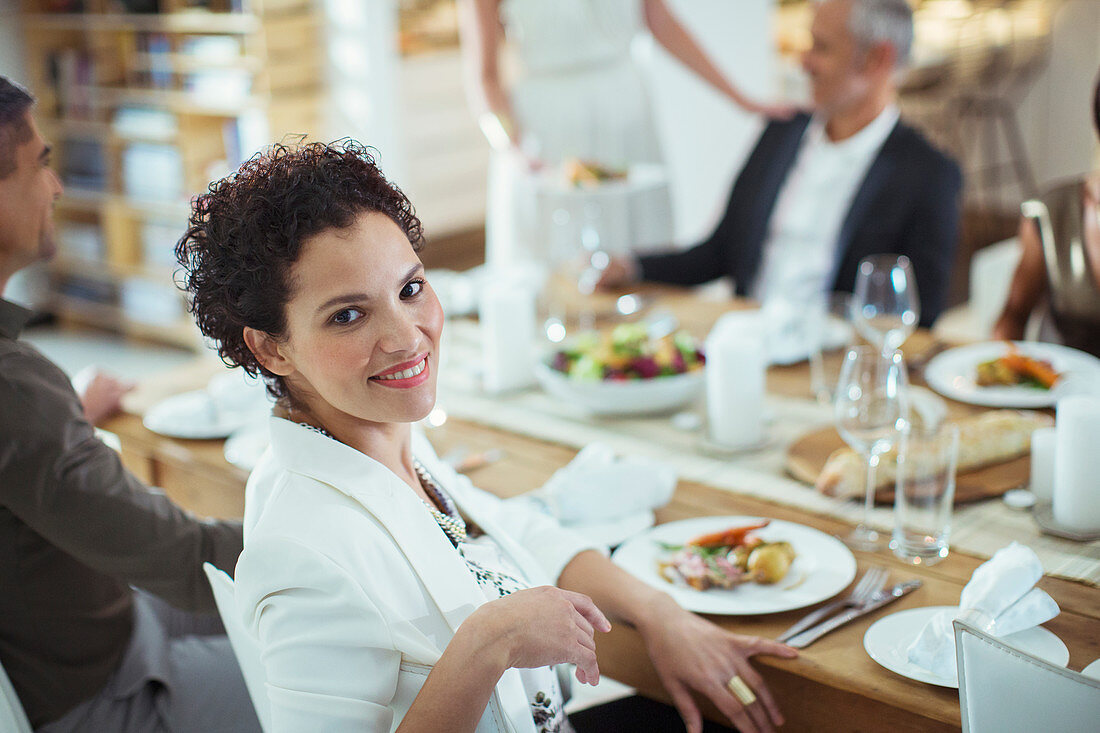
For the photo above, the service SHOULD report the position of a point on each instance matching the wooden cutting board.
(807, 456)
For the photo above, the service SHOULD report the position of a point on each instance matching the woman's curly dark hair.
(247, 231)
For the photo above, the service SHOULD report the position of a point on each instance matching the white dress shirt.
(800, 250)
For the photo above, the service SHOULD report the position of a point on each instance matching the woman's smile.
(403, 376)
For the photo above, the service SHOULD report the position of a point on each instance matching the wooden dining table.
(833, 685)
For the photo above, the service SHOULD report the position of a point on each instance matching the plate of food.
(579, 179)
(624, 371)
(590, 172)
(1009, 373)
(739, 565)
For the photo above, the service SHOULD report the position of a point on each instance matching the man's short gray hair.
(883, 21)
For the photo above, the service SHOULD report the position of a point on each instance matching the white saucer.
(887, 642)
(709, 447)
(196, 416)
(245, 446)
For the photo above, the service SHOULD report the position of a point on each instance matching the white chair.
(244, 646)
(1002, 690)
(12, 717)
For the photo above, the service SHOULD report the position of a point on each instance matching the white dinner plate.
(953, 373)
(197, 416)
(887, 642)
(245, 446)
(823, 567)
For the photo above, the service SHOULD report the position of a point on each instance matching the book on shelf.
(72, 73)
(83, 164)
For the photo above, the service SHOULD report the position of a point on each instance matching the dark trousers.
(632, 715)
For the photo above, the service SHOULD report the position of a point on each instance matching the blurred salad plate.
(625, 371)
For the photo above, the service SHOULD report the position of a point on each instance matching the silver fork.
(872, 582)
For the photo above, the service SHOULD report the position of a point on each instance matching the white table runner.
(979, 529)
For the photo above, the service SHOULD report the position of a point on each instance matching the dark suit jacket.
(908, 203)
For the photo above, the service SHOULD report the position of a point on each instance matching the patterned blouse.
(498, 576)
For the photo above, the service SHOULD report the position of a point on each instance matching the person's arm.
(70, 488)
(1028, 285)
(480, 32)
(688, 652)
(536, 627)
(706, 261)
(670, 33)
(100, 394)
(331, 662)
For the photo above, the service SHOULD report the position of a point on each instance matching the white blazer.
(352, 590)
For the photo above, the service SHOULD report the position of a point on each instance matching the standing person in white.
(579, 94)
(385, 591)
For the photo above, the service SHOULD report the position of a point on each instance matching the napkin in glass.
(1000, 599)
(597, 485)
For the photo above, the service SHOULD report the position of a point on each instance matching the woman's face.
(363, 328)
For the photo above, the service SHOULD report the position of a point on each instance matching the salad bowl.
(624, 372)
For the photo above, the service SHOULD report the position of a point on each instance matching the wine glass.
(872, 413)
(593, 258)
(885, 304)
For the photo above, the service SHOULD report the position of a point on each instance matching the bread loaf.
(985, 439)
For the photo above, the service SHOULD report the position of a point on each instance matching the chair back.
(1004, 689)
(12, 717)
(244, 646)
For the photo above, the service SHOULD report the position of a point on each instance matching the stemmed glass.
(885, 304)
(872, 413)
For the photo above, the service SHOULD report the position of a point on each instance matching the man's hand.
(100, 394)
(620, 272)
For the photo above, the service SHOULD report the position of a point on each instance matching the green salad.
(627, 353)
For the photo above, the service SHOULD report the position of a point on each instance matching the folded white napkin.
(597, 485)
(1000, 599)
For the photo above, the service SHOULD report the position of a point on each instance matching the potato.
(770, 562)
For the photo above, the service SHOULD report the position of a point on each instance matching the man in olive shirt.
(83, 649)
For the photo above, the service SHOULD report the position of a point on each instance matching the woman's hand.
(690, 653)
(538, 627)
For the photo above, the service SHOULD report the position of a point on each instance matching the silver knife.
(880, 599)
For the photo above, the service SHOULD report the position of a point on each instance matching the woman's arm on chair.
(536, 627)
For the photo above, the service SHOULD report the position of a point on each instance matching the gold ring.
(741, 691)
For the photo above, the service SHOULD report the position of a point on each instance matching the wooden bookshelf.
(144, 109)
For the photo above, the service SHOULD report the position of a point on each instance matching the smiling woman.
(385, 591)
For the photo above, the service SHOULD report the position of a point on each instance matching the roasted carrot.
(731, 537)
(1043, 373)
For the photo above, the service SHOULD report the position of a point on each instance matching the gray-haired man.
(83, 649)
(821, 192)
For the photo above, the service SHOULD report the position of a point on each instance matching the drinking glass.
(829, 317)
(594, 259)
(925, 494)
(577, 260)
(872, 413)
(885, 304)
